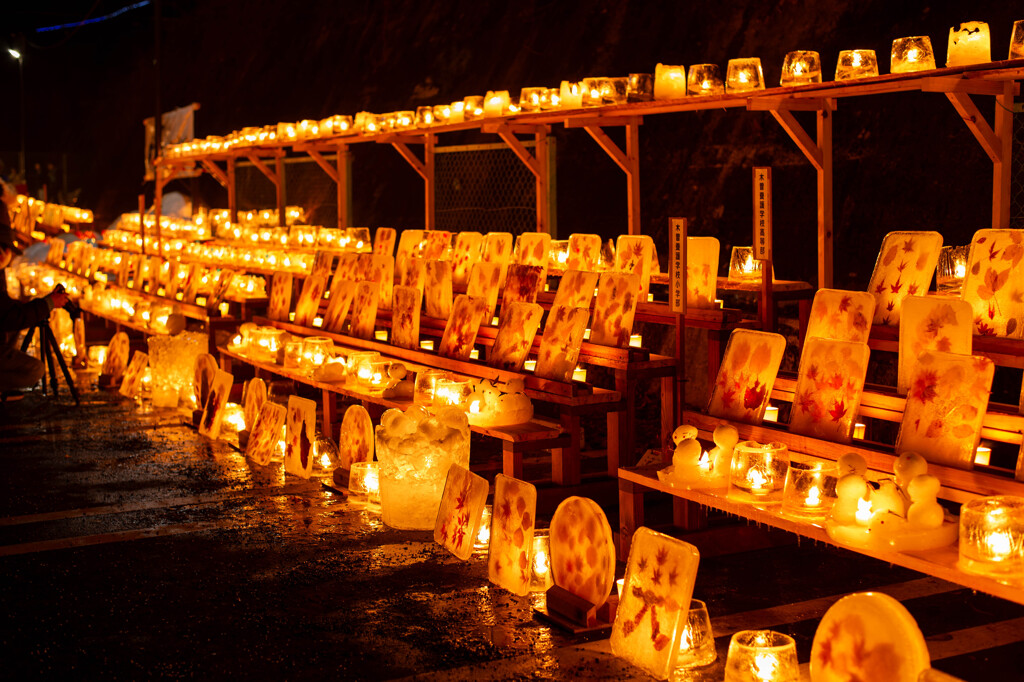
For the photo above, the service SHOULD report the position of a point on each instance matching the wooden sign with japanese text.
(762, 213)
(677, 265)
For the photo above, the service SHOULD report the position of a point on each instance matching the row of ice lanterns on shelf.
(970, 44)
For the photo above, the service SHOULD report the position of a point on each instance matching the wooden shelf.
(941, 563)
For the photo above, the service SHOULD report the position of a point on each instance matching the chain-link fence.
(483, 188)
(1017, 174)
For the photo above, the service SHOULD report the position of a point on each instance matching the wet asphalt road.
(131, 547)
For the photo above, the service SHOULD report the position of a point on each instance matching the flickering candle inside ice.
(579, 374)
(496, 102)
(761, 656)
(704, 79)
(992, 536)
(801, 67)
(483, 535)
(912, 54)
(744, 75)
(859, 430)
(758, 471)
(969, 45)
(1017, 40)
(530, 365)
(863, 514)
(854, 64)
(983, 455)
(381, 335)
(540, 565)
(363, 481)
(570, 93)
(771, 413)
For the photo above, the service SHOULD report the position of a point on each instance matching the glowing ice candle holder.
(744, 75)
(97, 355)
(636, 341)
(532, 99)
(293, 354)
(640, 87)
(951, 269)
(452, 392)
(580, 374)
(859, 431)
(614, 90)
(558, 254)
(810, 488)
(591, 92)
(530, 366)
(697, 645)
(540, 562)
(854, 64)
(373, 376)
(704, 79)
(1017, 40)
(758, 471)
(316, 350)
(983, 455)
(442, 113)
(992, 536)
(553, 100)
(912, 54)
(472, 107)
(743, 267)
(381, 335)
(570, 94)
(427, 344)
(771, 413)
(761, 656)
(424, 117)
(483, 533)
(496, 103)
(363, 481)
(801, 67)
(669, 81)
(426, 385)
(970, 44)
(234, 417)
(360, 366)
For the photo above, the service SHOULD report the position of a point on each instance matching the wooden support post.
(282, 196)
(232, 192)
(511, 460)
(344, 186)
(429, 141)
(330, 407)
(158, 200)
(668, 412)
(1001, 170)
(565, 462)
(688, 515)
(631, 514)
(825, 225)
(633, 176)
(540, 152)
(622, 425)
(142, 219)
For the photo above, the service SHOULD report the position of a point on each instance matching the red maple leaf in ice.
(505, 512)
(728, 395)
(908, 246)
(902, 266)
(805, 401)
(983, 328)
(890, 306)
(444, 531)
(912, 289)
(837, 381)
(880, 288)
(860, 322)
(991, 311)
(993, 252)
(754, 396)
(838, 411)
(656, 576)
(924, 386)
(844, 303)
(895, 288)
(661, 556)
(812, 372)
(458, 536)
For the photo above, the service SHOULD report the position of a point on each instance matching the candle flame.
(540, 562)
(856, 61)
(756, 479)
(813, 496)
(765, 666)
(999, 544)
(705, 462)
(863, 513)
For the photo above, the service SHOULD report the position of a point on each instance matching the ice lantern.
(414, 451)
(992, 536)
(969, 45)
(704, 79)
(801, 67)
(855, 64)
(758, 472)
(810, 489)
(761, 656)
(912, 54)
(744, 75)
(1017, 40)
(496, 103)
(570, 93)
(669, 82)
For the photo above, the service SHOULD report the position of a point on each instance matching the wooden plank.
(941, 563)
(959, 84)
(783, 103)
(517, 147)
(824, 186)
(958, 485)
(332, 173)
(797, 133)
(411, 159)
(977, 124)
(1001, 170)
(610, 148)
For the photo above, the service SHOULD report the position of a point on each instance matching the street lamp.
(16, 54)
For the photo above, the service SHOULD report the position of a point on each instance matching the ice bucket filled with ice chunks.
(415, 449)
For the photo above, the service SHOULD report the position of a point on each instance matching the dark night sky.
(901, 161)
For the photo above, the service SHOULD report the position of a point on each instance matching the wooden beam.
(232, 192)
(603, 121)
(322, 162)
(407, 154)
(633, 177)
(281, 194)
(610, 148)
(540, 150)
(517, 147)
(797, 133)
(428, 180)
(977, 124)
(263, 168)
(783, 103)
(516, 128)
(967, 86)
(215, 172)
(344, 181)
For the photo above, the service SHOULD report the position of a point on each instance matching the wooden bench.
(1001, 423)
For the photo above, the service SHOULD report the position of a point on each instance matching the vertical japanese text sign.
(762, 213)
(677, 264)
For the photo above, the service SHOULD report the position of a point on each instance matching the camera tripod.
(49, 353)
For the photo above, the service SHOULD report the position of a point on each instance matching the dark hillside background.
(901, 161)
